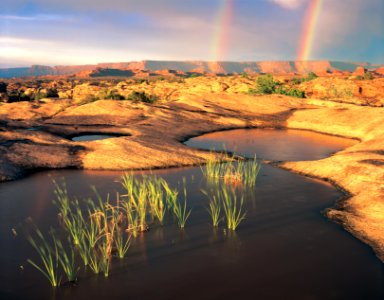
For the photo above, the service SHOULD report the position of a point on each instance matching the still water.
(284, 249)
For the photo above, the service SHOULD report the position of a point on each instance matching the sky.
(77, 32)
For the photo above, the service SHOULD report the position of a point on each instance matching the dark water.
(285, 249)
(92, 137)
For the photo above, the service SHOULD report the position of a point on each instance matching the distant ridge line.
(197, 66)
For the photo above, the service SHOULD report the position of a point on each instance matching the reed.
(67, 262)
(233, 210)
(74, 222)
(132, 218)
(170, 195)
(49, 257)
(107, 238)
(122, 245)
(92, 230)
(214, 209)
(62, 199)
(84, 248)
(180, 210)
(130, 185)
(250, 170)
(95, 262)
(156, 198)
(232, 171)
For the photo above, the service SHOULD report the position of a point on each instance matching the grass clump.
(226, 200)
(49, 257)
(180, 210)
(100, 229)
(241, 172)
(233, 209)
(67, 262)
(214, 209)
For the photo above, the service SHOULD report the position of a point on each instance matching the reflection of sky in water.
(273, 144)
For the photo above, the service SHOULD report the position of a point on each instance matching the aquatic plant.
(74, 222)
(233, 210)
(155, 198)
(62, 199)
(84, 248)
(94, 261)
(92, 230)
(240, 172)
(170, 195)
(250, 170)
(122, 245)
(180, 210)
(49, 257)
(141, 196)
(67, 261)
(214, 208)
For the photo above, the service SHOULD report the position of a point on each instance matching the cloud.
(38, 17)
(290, 4)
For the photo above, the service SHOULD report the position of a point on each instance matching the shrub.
(298, 80)
(40, 95)
(265, 84)
(142, 97)
(24, 97)
(311, 76)
(244, 75)
(114, 95)
(52, 93)
(366, 76)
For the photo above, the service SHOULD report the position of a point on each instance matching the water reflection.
(272, 144)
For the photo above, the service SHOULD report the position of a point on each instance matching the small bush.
(244, 75)
(311, 76)
(265, 84)
(40, 95)
(366, 76)
(290, 92)
(114, 95)
(299, 80)
(142, 97)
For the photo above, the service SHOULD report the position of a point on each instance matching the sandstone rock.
(360, 71)
(380, 71)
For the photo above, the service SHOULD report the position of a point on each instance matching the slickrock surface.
(153, 134)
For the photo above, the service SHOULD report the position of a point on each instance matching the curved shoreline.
(157, 133)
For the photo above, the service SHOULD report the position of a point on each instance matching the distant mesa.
(169, 68)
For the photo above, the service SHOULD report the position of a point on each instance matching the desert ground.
(34, 135)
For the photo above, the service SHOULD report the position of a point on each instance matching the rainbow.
(221, 34)
(309, 30)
